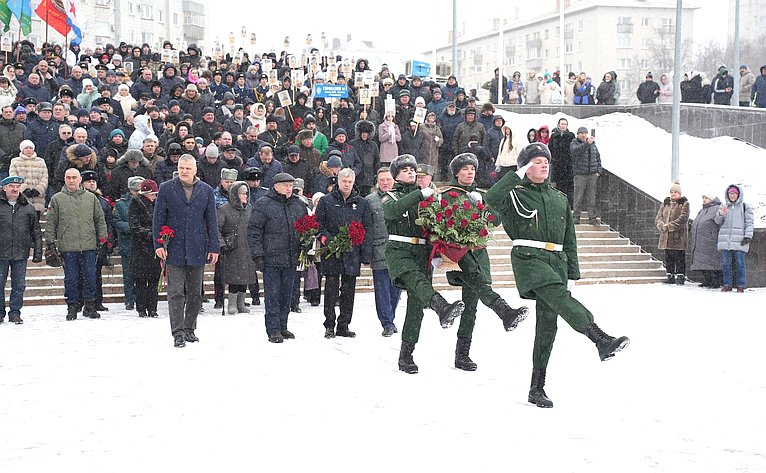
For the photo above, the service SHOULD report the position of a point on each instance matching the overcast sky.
(397, 24)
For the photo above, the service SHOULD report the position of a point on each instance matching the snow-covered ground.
(113, 395)
(640, 153)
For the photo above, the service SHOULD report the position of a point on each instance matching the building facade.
(752, 19)
(182, 22)
(629, 37)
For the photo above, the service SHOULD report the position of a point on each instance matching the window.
(146, 12)
(130, 8)
(546, 53)
(623, 41)
(625, 63)
(132, 35)
(533, 53)
(146, 38)
(175, 19)
(624, 20)
(579, 46)
(579, 65)
(103, 3)
(161, 16)
(645, 64)
(663, 23)
(644, 21)
(645, 43)
(568, 47)
(579, 25)
(547, 34)
(567, 67)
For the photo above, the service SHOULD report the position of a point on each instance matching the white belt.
(543, 245)
(410, 240)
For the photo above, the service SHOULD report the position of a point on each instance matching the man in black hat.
(544, 256)
(648, 91)
(90, 183)
(369, 155)
(275, 247)
(464, 131)
(277, 140)
(298, 167)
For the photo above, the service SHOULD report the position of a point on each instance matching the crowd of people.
(177, 166)
(547, 88)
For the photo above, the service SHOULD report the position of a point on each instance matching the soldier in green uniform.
(407, 255)
(544, 256)
(474, 275)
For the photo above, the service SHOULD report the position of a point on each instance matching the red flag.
(52, 12)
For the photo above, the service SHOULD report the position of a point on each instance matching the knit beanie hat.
(676, 187)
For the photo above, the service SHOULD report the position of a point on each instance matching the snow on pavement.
(113, 395)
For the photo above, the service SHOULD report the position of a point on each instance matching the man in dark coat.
(19, 231)
(349, 156)
(275, 138)
(340, 208)
(187, 206)
(369, 155)
(132, 163)
(298, 167)
(42, 130)
(407, 254)
(275, 247)
(544, 258)
(268, 166)
(586, 167)
(561, 159)
(122, 228)
(723, 87)
(648, 91)
(209, 167)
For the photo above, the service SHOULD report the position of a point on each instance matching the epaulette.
(448, 188)
(388, 196)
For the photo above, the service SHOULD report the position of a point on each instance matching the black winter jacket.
(334, 212)
(20, 229)
(270, 231)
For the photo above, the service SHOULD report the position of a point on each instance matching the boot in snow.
(537, 394)
(680, 279)
(462, 360)
(607, 345)
(671, 279)
(406, 363)
(89, 310)
(71, 311)
(241, 308)
(232, 308)
(511, 317)
(447, 312)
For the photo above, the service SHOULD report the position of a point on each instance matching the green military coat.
(400, 210)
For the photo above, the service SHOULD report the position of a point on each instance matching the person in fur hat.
(132, 163)
(673, 223)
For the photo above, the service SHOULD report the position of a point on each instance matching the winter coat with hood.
(168, 82)
(122, 172)
(759, 89)
(448, 123)
(648, 92)
(584, 93)
(21, 229)
(569, 87)
(532, 89)
(11, 134)
(494, 136)
(703, 243)
(210, 173)
(368, 152)
(585, 158)
(561, 158)
(389, 137)
(192, 105)
(463, 131)
(746, 82)
(605, 94)
(73, 161)
(75, 221)
(333, 212)
(672, 221)
(193, 221)
(735, 225)
(324, 178)
(509, 149)
(237, 265)
(270, 230)
(144, 264)
(35, 173)
(449, 92)
(349, 156)
(720, 84)
(432, 141)
(143, 130)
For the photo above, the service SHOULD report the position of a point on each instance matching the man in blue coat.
(186, 205)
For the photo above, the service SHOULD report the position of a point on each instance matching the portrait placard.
(420, 115)
(375, 89)
(364, 96)
(273, 77)
(284, 98)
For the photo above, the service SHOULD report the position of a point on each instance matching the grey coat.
(380, 234)
(237, 265)
(736, 225)
(704, 239)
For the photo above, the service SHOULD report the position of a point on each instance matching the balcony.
(535, 63)
(568, 34)
(535, 43)
(194, 33)
(664, 29)
(625, 28)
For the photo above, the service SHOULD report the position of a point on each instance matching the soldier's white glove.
(436, 262)
(475, 196)
(570, 285)
(427, 192)
(521, 172)
(436, 138)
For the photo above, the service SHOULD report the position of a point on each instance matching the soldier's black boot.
(511, 317)
(537, 394)
(671, 279)
(406, 363)
(447, 312)
(607, 345)
(71, 311)
(680, 279)
(89, 310)
(462, 360)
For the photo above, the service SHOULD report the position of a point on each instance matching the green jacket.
(533, 267)
(400, 209)
(475, 261)
(75, 221)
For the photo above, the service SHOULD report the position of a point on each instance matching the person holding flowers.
(407, 253)
(474, 274)
(539, 220)
(345, 227)
(275, 246)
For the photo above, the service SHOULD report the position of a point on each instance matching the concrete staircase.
(605, 257)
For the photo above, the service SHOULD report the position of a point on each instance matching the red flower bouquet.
(455, 226)
(166, 233)
(347, 238)
(307, 228)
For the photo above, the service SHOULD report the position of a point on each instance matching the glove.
(427, 192)
(436, 262)
(475, 197)
(570, 285)
(746, 241)
(258, 263)
(521, 172)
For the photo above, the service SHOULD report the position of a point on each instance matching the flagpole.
(66, 51)
(18, 44)
(46, 26)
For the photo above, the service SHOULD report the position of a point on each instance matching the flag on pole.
(51, 12)
(22, 10)
(5, 15)
(72, 21)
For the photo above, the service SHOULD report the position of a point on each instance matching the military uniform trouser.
(420, 291)
(554, 300)
(475, 288)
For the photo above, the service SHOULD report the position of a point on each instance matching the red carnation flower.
(431, 198)
(423, 204)
(466, 205)
(481, 206)
(455, 207)
(444, 203)
(490, 218)
(439, 216)
(448, 213)
(452, 194)
(474, 216)
(450, 223)
(464, 223)
(483, 232)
